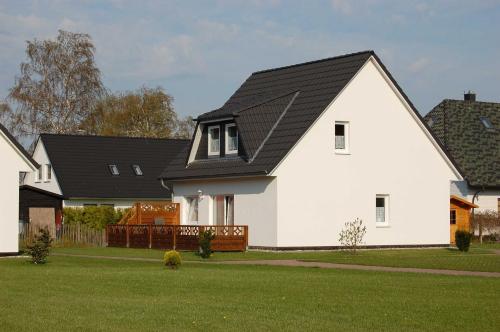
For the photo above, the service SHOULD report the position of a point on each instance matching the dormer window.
(114, 170)
(213, 141)
(137, 170)
(231, 139)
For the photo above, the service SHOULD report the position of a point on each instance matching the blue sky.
(201, 51)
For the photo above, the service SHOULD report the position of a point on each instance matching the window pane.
(232, 134)
(339, 130)
(339, 136)
(453, 217)
(193, 210)
(49, 172)
(380, 209)
(214, 140)
(229, 210)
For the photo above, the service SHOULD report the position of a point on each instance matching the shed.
(459, 215)
(40, 207)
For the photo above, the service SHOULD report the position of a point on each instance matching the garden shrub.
(96, 217)
(39, 248)
(172, 259)
(462, 240)
(352, 235)
(205, 242)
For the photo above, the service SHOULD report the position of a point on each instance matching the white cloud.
(419, 65)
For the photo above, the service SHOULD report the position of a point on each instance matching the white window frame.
(226, 136)
(386, 210)
(137, 170)
(346, 149)
(213, 204)
(213, 153)
(46, 177)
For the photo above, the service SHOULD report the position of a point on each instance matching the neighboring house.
(14, 159)
(99, 170)
(470, 132)
(298, 151)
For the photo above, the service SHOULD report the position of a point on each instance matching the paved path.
(323, 265)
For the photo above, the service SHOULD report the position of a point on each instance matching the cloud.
(419, 65)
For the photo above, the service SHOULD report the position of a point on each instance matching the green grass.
(479, 258)
(86, 294)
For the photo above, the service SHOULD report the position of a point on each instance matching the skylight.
(486, 122)
(114, 169)
(137, 170)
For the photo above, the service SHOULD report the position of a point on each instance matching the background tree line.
(59, 90)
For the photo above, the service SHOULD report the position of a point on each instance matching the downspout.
(164, 185)
(474, 197)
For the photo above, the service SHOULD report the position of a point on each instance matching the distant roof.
(272, 110)
(18, 146)
(460, 127)
(81, 165)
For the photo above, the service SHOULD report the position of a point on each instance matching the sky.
(200, 52)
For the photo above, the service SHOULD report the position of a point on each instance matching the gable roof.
(19, 147)
(273, 109)
(457, 124)
(81, 165)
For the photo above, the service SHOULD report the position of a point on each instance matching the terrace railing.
(179, 237)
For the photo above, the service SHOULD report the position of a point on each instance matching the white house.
(470, 132)
(298, 151)
(14, 159)
(102, 170)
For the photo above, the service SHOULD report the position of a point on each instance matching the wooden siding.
(462, 215)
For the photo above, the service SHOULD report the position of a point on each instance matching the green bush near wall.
(93, 216)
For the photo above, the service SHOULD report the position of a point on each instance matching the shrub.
(172, 259)
(39, 249)
(205, 242)
(96, 217)
(352, 234)
(462, 240)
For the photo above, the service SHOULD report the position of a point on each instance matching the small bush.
(39, 249)
(462, 240)
(352, 235)
(205, 242)
(172, 259)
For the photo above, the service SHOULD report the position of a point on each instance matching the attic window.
(214, 141)
(486, 122)
(231, 139)
(114, 170)
(137, 170)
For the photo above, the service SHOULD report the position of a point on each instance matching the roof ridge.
(315, 61)
(476, 101)
(111, 136)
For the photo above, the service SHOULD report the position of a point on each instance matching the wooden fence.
(76, 234)
(154, 213)
(179, 237)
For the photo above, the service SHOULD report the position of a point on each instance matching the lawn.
(89, 294)
(479, 258)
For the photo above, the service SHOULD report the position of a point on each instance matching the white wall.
(11, 164)
(487, 200)
(41, 157)
(254, 204)
(318, 190)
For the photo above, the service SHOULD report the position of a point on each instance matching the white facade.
(12, 162)
(317, 188)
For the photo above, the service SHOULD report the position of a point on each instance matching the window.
(382, 209)
(114, 170)
(137, 170)
(430, 122)
(48, 172)
(231, 139)
(192, 210)
(486, 122)
(341, 137)
(213, 141)
(223, 210)
(38, 175)
(453, 217)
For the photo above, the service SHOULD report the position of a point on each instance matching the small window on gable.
(38, 175)
(341, 137)
(137, 170)
(114, 170)
(213, 141)
(231, 139)
(486, 122)
(48, 172)
(382, 210)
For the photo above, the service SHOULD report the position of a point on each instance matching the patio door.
(223, 208)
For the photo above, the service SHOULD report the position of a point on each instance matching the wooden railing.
(179, 237)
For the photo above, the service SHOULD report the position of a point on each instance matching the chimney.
(470, 96)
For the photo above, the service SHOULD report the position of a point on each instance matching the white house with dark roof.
(101, 170)
(14, 160)
(298, 151)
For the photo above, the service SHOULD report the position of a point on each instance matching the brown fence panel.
(162, 237)
(138, 236)
(116, 235)
(186, 237)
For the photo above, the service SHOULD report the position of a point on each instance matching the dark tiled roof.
(475, 148)
(80, 164)
(18, 146)
(260, 102)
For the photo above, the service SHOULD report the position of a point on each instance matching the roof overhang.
(463, 201)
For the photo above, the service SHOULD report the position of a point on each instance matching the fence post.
(246, 237)
(128, 235)
(150, 228)
(175, 236)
